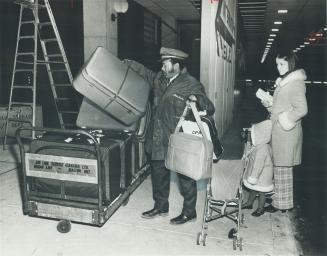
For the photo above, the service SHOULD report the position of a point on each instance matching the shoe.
(154, 213)
(181, 219)
(270, 209)
(245, 206)
(258, 212)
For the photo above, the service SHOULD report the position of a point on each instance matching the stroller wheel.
(234, 243)
(64, 226)
(232, 233)
(199, 238)
(204, 240)
(240, 244)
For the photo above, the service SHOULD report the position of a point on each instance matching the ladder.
(37, 26)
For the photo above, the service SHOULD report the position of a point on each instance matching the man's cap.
(169, 53)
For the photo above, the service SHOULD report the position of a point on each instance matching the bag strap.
(197, 119)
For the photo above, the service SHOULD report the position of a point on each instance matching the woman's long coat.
(289, 107)
(169, 103)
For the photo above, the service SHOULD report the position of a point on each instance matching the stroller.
(224, 195)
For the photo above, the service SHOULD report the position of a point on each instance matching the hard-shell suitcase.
(75, 177)
(91, 116)
(113, 86)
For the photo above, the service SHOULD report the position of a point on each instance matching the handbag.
(189, 154)
(190, 126)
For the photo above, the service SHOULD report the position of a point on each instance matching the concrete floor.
(126, 233)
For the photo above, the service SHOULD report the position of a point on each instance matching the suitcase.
(92, 117)
(69, 175)
(113, 87)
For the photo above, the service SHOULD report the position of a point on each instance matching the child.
(259, 167)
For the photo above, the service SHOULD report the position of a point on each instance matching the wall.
(217, 72)
(99, 29)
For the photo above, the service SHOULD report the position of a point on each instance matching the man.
(172, 87)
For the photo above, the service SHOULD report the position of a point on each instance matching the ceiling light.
(282, 11)
(312, 39)
(278, 22)
(274, 29)
(325, 29)
(294, 50)
(271, 39)
(269, 42)
(272, 35)
(306, 43)
(298, 48)
(302, 46)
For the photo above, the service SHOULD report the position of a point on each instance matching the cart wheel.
(125, 202)
(199, 238)
(240, 245)
(64, 226)
(234, 243)
(231, 233)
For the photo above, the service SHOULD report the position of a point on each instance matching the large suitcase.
(91, 116)
(74, 177)
(113, 86)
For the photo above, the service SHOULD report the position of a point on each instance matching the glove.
(192, 98)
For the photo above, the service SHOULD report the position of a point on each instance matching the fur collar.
(297, 75)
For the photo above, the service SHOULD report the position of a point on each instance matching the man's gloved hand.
(192, 98)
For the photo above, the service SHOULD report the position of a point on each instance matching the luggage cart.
(52, 185)
(224, 196)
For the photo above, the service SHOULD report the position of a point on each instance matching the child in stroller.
(259, 167)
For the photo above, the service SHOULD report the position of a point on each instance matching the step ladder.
(37, 27)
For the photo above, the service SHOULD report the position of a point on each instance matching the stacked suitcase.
(85, 175)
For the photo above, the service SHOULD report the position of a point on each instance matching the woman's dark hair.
(290, 57)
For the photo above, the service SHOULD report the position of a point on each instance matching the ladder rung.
(49, 40)
(25, 62)
(63, 98)
(26, 37)
(25, 53)
(51, 61)
(68, 112)
(28, 22)
(58, 70)
(22, 87)
(61, 85)
(21, 103)
(24, 70)
(41, 24)
(53, 55)
(18, 120)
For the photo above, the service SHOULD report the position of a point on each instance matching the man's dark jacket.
(169, 103)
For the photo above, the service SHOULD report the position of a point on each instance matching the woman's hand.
(266, 103)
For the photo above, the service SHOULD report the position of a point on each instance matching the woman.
(289, 106)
